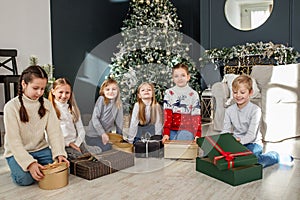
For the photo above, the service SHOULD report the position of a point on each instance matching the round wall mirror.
(247, 15)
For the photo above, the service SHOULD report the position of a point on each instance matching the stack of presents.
(93, 166)
(227, 160)
(122, 155)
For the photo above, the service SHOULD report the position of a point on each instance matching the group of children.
(32, 123)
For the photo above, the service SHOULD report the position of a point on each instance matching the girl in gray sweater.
(107, 115)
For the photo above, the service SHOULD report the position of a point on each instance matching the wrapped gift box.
(225, 151)
(56, 176)
(148, 148)
(152, 147)
(234, 176)
(181, 149)
(99, 165)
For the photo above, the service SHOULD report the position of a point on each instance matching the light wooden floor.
(167, 179)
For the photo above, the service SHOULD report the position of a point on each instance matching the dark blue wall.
(281, 27)
(78, 26)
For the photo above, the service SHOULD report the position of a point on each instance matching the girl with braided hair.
(29, 119)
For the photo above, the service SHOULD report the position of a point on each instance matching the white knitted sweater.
(21, 138)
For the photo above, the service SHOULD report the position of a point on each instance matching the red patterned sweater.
(182, 110)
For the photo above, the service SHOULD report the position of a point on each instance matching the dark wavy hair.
(27, 76)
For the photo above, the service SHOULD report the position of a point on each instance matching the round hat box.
(123, 146)
(114, 138)
(56, 176)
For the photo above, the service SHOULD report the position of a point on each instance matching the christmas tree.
(151, 46)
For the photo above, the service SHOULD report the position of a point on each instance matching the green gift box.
(225, 152)
(234, 176)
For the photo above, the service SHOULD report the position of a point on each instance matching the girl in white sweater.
(67, 111)
(27, 118)
(146, 114)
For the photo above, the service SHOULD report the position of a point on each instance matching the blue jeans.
(24, 178)
(97, 141)
(265, 159)
(181, 135)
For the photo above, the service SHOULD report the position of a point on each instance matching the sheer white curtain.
(258, 17)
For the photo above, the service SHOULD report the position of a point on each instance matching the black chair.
(10, 56)
(8, 62)
(8, 81)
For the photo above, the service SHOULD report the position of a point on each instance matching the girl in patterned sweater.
(182, 118)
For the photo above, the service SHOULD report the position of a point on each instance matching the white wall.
(25, 26)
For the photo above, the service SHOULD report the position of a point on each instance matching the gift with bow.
(149, 146)
(97, 165)
(225, 152)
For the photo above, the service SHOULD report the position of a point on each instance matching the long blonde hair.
(106, 83)
(155, 107)
(73, 108)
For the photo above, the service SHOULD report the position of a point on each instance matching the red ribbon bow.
(229, 157)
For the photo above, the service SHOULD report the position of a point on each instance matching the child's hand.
(196, 138)
(238, 139)
(63, 159)
(74, 146)
(34, 169)
(105, 138)
(166, 137)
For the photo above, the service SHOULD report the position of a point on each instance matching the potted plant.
(49, 69)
